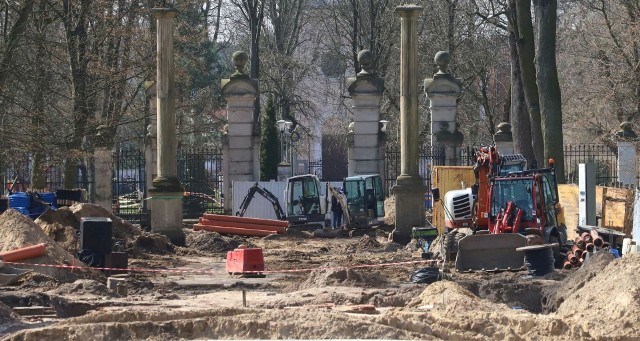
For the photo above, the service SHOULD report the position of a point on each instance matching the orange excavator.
(506, 203)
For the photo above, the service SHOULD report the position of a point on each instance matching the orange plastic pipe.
(24, 253)
(233, 230)
(278, 229)
(220, 217)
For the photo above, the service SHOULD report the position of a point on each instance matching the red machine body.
(245, 260)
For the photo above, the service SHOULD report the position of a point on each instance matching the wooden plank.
(447, 178)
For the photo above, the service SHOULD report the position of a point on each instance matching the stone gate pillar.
(443, 91)
(410, 187)
(241, 148)
(167, 192)
(504, 139)
(364, 142)
(627, 165)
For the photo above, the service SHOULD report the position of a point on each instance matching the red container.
(245, 261)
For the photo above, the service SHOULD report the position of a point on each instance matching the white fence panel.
(261, 207)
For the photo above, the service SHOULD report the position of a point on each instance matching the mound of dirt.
(607, 304)
(84, 287)
(366, 243)
(343, 277)
(149, 242)
(222, 323)
(213, 242)
(122, 229)
(35, 280)
(61, 225)
(8, 318)
(18, 231)
(554, 297)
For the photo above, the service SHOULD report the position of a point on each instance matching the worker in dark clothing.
(336, 209)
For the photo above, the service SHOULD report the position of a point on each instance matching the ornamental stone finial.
(626, 131)
(442, 60)
(240, 59)
(365, 59)
(504, 128)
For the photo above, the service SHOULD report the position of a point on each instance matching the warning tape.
(209, 272)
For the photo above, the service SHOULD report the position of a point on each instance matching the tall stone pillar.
(365, 90)
(166, 193)
(627, 165)
(443, 91)
(410, 187)
(103, 156)
(504, 139)
(241, 148)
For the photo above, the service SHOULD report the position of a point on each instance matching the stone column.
(410, 187)
(365, 90)
(504, 139)
(103, 157)
(627, 166)
(166, 193)
(443, 91)
(241, 148)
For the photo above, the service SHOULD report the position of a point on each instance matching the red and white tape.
(211, 272)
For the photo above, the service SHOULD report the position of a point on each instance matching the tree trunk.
(526, 52)
(547, 78)
(519, 115)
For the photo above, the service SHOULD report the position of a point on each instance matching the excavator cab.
(305, 203)
(365, 200)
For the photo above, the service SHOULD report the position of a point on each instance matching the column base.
(409, 193)
(166, 215)
(169, 184)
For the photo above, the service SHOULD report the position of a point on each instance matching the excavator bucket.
(490, 252)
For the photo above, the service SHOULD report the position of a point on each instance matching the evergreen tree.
(269, 143)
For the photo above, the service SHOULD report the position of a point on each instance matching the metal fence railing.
(428, 157)
(604, 158)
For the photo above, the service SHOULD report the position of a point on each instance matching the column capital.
(409, 10)
(164, 12)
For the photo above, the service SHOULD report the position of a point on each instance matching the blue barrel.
(19, 199)
(48, 197)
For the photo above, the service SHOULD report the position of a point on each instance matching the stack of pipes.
(241, 226)
(585, 243)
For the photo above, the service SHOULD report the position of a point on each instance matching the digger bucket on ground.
(490, 252)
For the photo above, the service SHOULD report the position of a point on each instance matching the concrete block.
(443, 114)
(240, 115)
(236, 155)
(241, 129)
(240, 168)
(368, 140)
(365, 127)
(240, 142)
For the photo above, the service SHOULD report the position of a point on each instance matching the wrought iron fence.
(19, 173)
(429, 157)
(604, 157)
(200, 173)
(328, 171)
(129, 184)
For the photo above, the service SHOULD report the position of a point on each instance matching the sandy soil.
(333, 298)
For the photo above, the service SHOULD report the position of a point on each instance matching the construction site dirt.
(350, 286)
